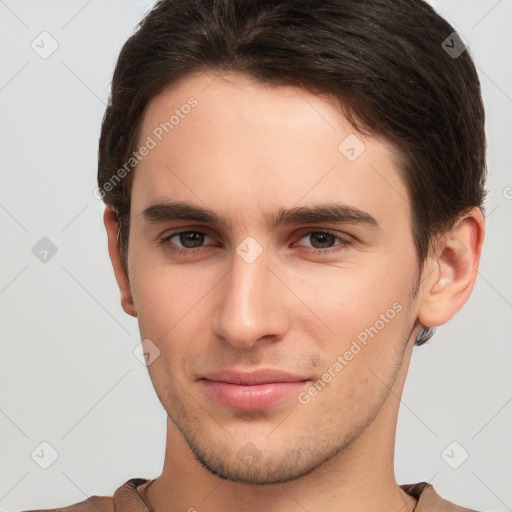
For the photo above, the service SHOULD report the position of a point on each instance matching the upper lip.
(248, 378)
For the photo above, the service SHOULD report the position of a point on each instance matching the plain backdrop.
(68, 374)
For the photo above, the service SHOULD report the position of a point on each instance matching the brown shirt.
(128, 499)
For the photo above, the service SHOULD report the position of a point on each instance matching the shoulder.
(94, 503)
(125, 496)
(430, 500)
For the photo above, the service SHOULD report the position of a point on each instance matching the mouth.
(254, 390)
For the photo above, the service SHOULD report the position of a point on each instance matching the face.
(271, 265)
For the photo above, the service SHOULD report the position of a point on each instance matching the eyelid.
(166, 237)
(342, 237)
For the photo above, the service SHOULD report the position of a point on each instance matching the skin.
(247, 151)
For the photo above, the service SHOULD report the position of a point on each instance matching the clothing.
(128, 499)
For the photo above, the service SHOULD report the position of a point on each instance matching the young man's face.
(267, 283)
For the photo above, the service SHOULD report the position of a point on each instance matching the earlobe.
(120, 271)
(451, 270)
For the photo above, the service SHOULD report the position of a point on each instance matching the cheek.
(164, 292)
(369, 321)
(170, 303)
(348, 302)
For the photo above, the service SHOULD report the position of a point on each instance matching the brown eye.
(191, 239)
(321, 242)
(185, 240)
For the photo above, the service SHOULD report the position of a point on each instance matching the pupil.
(322, 240)
(191, 239)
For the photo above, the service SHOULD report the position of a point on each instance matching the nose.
(252, 304)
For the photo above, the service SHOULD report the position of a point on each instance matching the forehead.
(238, 145)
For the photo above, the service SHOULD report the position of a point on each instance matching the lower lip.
(251, 398)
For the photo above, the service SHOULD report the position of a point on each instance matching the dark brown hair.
(395, 66)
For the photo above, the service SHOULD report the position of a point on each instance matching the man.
(294, 200)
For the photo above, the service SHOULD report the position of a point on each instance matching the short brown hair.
(383, 60)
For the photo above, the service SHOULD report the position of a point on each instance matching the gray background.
(68, 374)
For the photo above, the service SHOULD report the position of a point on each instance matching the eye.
(320, 242)
(186, 239)
(323, 242)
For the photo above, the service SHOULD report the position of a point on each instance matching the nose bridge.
(250, 307)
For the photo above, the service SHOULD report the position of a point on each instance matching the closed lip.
(252, 378)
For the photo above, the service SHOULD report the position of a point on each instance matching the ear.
(451, 269)
(120, 271)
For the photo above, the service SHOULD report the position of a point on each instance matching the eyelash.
(342, 245)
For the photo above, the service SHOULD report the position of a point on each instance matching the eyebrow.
(330, 212)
